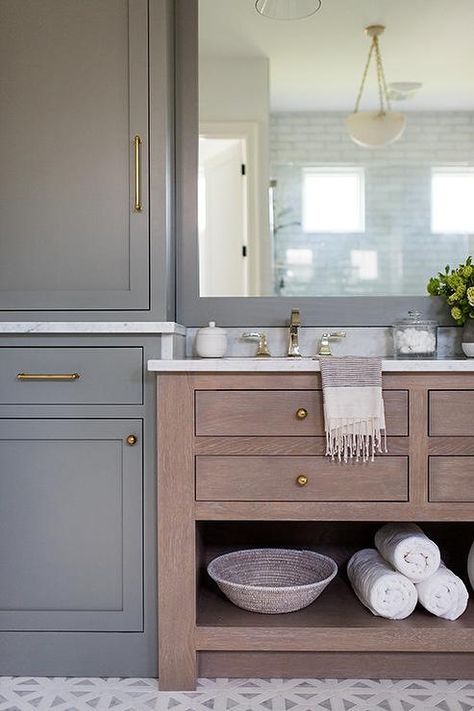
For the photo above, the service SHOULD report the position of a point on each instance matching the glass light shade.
(371, 129)
(287, 9)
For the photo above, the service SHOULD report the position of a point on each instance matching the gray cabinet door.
(73, 95)
(71, 525)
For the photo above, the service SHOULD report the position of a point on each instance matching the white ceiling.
(317, 63)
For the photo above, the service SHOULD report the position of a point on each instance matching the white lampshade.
(287, 9)
(373, 129)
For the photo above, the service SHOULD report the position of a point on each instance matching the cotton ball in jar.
(415, 340)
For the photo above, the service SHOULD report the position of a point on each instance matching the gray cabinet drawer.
(70, 525)
(106, 376)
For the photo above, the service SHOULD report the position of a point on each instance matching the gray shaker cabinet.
(71, 525)
(74, 207)
(77, 506)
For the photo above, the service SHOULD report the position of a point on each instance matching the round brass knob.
(302, 480)
(301, 414)
(131, 440)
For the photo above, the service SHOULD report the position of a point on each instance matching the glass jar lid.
(415, 318)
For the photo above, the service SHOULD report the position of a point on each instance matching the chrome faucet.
(293, 340)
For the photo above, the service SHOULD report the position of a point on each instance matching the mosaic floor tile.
(116, 694)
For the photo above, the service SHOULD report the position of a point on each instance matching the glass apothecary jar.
(415, 337)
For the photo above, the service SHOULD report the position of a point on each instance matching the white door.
(222, 217)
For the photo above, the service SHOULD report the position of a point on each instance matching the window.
(452, 200)
(333, 200)
(364, 262)
(300, 257)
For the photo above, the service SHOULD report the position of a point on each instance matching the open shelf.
(336, 621)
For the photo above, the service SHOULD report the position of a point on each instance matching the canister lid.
(415, 318)
(212, 330)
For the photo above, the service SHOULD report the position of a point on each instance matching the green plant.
(456, 286)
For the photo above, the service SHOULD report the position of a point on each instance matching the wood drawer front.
(107, 376)
(273, 412)
(451, 413)
(451, 479)
(273, 478)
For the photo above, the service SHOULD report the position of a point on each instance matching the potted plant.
(456, 286)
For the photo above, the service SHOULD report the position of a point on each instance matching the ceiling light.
(374, 129)
(287, 9)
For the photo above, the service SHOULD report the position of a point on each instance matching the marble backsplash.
(358, 341)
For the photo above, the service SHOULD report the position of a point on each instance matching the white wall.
(233, 91)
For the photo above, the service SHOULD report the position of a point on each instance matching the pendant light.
(374, 129)
(287, 9)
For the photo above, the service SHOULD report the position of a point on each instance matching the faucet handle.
(326, 338)
(261, 338)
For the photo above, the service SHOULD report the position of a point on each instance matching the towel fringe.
(348, 439)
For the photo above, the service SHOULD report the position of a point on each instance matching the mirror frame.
(268, 311)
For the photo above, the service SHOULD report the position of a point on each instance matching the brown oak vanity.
(241, 463)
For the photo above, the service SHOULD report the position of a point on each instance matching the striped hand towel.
(353, 407)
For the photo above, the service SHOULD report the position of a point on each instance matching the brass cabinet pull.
(48, 376)
(302, 480)
(137, 142)
(301, 414)
(131, 440)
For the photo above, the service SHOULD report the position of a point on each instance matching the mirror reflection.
(290, 202)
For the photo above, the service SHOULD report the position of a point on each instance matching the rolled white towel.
(406, 547)
(380, 588)
(443, 594)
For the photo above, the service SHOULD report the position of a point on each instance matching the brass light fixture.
(287, 9)
(375, 129)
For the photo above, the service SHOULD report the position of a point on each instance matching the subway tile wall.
(398, 204)
(358, 341)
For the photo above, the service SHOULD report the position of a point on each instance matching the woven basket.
(272, 580)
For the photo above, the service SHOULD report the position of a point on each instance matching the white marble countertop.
(156, 327)
(298, 365)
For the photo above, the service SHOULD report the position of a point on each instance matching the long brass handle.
(137, 142)
(48, 376)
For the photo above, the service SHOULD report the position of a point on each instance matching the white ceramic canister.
(211, 341)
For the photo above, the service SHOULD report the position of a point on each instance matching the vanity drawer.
(275, 478)
(106, 376)
(280, 412)
(451, 413)
(451, 479)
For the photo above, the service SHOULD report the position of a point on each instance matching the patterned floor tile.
(115, 694)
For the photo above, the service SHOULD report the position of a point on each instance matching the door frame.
(247, 131)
